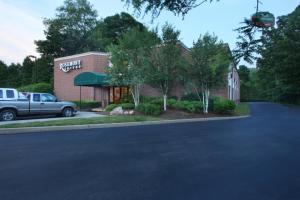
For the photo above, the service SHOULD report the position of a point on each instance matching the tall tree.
(3, 74)
(129, 60)
(69, 31)
(27, 71)
(278, 66)
(209, 66)
(111, 28)
(14, 79)
(165, 62)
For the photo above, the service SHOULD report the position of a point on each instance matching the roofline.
(183, 45)
(82, 54)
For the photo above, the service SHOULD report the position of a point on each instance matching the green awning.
(91, 79)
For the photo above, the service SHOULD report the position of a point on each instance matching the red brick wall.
(64, 81)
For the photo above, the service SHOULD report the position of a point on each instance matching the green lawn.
(82, 121)
(242, 109)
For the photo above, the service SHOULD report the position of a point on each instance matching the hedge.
(37, 87)
(149, 109)
(223, 106)
(87, 104)
(189, 106)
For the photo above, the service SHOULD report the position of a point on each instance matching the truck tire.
(7, 115)
(68, 112)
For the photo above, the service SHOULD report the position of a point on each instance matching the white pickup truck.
(14, 103)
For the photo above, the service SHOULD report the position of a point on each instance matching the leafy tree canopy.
(178, 7)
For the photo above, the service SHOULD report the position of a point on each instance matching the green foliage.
(223, 106)
(127, 106)
(110, 107)
(109, 30)
(87, 104)
(171, 102)
(189, 106)
(278, 67)
(3, 74)
(178, 7)
(190, 97)
(68, 32)
(37, 87)
(149, 109)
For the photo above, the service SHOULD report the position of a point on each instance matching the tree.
(209, 66)
(278, 67)
(129, 60)
(178, 7)
(27, 71)
(69, 31)
(165, 62)
(14, 79)
(111, 28)
(3, 74)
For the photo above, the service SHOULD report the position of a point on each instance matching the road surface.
(245, 159)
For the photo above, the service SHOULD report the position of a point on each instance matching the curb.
(6, 131)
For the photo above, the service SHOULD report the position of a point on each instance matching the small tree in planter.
(209, 67)
(165, 62)
(129, 60)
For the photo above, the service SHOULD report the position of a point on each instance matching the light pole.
(35, 70)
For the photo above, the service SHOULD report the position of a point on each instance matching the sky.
(22, 21)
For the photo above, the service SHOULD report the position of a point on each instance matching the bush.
(223, 106)
(110, 107)
(171, 102)
(189, 106)
(127, 106)
(158, 101)
(37, 87)
(190, 97)
(87, 104)
(149, 109)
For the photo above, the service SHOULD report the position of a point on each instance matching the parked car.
(14, 103)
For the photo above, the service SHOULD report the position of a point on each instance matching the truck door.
(49, 104)
(35, 104)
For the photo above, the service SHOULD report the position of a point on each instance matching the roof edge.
(82, 54)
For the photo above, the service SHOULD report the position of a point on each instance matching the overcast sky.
(22, 21)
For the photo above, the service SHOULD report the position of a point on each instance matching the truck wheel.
(68, 112)
(7, 115)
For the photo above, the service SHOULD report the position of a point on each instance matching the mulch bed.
(178, 114)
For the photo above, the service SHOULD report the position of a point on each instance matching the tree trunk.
(135, 95)
(165, 102)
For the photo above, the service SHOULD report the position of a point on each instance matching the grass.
(242, 109)
(83, 121)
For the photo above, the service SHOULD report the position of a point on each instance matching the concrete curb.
(5, 131)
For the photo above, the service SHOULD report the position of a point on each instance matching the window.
(47, 98)
(36, 97)
(10, 94)
(1, 94)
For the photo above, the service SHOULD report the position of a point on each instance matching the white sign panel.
(67, 66)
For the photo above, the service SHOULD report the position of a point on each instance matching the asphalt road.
(253, 158)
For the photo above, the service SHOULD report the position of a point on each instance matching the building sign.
(67, 66)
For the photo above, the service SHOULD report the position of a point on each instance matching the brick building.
(82, 76)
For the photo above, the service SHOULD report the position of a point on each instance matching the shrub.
(223, 106)
(190, 97)
(158, 101)
(147, 99)
(110, 107)
(87, 104)
(127, 106)
(37, 87)
(189, 106)
(149, 109)
(171, 102)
